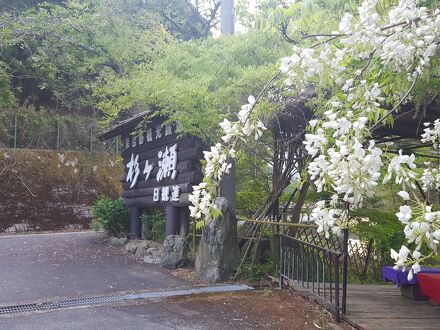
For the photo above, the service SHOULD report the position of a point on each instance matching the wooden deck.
(383, 307)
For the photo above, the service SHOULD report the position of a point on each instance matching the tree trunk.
(296, 213)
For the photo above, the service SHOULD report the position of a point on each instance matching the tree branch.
(211, 18)
(284, 27)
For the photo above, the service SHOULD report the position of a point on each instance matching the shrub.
(154, 225)
(383, 227)
(257, 272)
(111, 215)
(434, 261)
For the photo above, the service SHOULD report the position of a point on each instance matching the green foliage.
(198, 83)
(382, 227)
(302, 17)
(253, 179)
(7, 98)
(111, 215)
(154, 225)
(59, 53)
(434, 261)
(258, 271)
(47, 130)
(66, 51)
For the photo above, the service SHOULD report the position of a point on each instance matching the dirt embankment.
(49, 190)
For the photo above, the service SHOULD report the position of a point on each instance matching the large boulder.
(174, 254)
(218, 253)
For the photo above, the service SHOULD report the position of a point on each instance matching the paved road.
(240, 310)
(43, 267)
(39, 266)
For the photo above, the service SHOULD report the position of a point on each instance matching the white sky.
(238, 27)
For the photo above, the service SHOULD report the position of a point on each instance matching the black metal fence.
(364, 263)
(42, 130)
(317, 269)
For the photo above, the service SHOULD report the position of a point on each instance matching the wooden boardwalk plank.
(383, 307)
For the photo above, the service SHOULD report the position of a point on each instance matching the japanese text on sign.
(167, 169)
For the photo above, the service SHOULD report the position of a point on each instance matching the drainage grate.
(119, 297)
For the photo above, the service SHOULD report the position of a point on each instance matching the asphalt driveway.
(52, 267)
(39, 266)
(239, 310)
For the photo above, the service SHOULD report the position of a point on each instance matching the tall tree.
(59, 54)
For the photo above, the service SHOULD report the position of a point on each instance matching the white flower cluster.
(430, 177)
(431, 174)
(202, 202)
(216, 162)
(401, 167)
(425, 228)
(409, 34)
(354, 170)
(250, 126)
(419, 230)
(402, 258)
(219, 156)
(422, 224)
(328, 219)
(432, 134)
(344, 160)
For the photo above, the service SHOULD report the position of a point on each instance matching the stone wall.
(47, 190)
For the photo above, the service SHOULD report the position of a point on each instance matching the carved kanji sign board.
(160, 168)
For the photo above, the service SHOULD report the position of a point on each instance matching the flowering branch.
(371, 53)
(345, 160)
(218, 158)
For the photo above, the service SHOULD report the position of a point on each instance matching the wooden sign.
(160, 168)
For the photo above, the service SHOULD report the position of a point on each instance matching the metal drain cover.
(100, 299)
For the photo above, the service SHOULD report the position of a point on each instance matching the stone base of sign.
(148, 251)
(153, 255)
(131, 246)
(174, 254)
(218, 253)
(116, 241)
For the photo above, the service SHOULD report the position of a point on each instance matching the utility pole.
(228, 183)
(227, 17)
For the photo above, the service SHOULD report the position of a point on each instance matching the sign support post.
(172, 225)
(184, 221)
(135, 223)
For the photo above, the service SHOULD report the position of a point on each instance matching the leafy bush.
(383, 227)
(434, 261)
(111, 215)
(258, 271)
(154, 225)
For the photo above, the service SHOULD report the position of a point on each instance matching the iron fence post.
(57, 141)
(280, 256)
(91, 136)
(15, 130)
(337, 307)
(344, 270)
